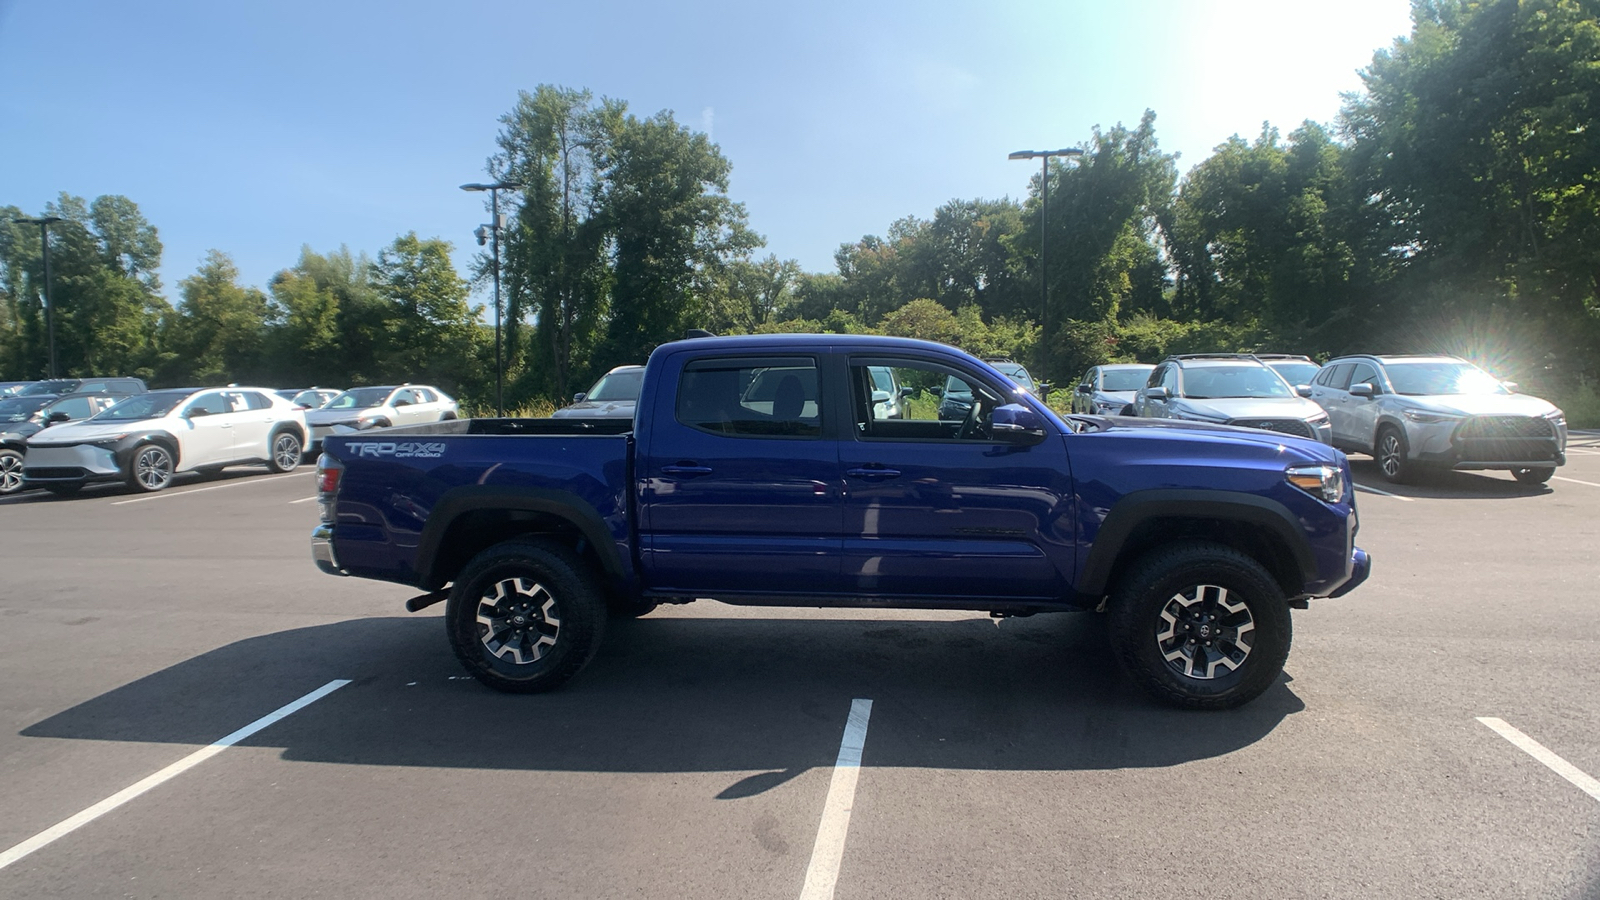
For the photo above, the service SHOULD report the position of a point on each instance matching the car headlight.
(1326, 483)
(1424, 417)
(1557, 418)
(1320, 418)
(109, 442)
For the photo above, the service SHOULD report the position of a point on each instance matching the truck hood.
(83, 432)
(1254, 408)
(1179, 429)
(1479, 404)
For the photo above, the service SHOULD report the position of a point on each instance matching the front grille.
(42, 473)
(1296, 427)
(1507, 439)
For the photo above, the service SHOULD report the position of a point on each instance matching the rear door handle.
(873, 473)
(686, 471)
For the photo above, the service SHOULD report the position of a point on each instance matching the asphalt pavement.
(188, 708)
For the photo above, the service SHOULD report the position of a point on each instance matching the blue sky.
(258, 128)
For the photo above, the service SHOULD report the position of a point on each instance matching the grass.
(1582, 406)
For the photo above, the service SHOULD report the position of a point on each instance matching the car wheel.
(150, 468)
(1391, 456)
(64, 490)
(286, 452)
(1537, 475)
(1200, 626)
(10, 471)
(525, 616)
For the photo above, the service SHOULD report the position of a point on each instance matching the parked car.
(611, 397)
(10, 388)
(148, 438)
(955, 400)
(887, 395)
(1295, 368)
(1196, 541)
(309, 398)
(379, 407)
(1229, 389)
(1108, 390)
(1411, 412)
(23, 417)
(85, 385)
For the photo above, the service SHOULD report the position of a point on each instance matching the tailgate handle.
(686, 471)
(873, 473)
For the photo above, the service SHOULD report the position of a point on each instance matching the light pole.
(494, 228)
(44, 223)
(1044, 223)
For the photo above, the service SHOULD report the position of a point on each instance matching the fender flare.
(459, 501)
(1139, 507)
(124, 452)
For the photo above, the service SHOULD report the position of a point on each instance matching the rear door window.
(751, 397)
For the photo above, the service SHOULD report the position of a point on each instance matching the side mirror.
(580, 396)
(1155, 393)
(1085, 388)
(400, 403)
(196, 413)
(1510, 386)
(1017, 424)
(880, 397)
(908, 392)
(1362, 390)
(1303, 390)
(57, 417)
(936, 391)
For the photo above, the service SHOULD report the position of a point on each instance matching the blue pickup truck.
(757, 471)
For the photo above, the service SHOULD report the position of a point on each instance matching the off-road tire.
(1156, 581)
(550, 579)
(1537, 475)
(1390, 451)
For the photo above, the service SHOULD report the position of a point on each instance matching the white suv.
(380, 407)
(147, 438)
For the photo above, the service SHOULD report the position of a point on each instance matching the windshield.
(59, 386)
(1297, 372)
(1015, 373)
(1217, 382)
(312, 399)
(955, 387)
(1123, 379)
(617, 386)
(360, 398)
(20, 409)
(143, 406)
(1425, 378)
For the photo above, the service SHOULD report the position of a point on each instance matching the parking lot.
(708, 750)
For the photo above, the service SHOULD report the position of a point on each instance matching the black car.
(23, 417)
(96, 385)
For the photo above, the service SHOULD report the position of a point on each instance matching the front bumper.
(70, 464)
(1449, 444)
(322, 550)
(1360, 568)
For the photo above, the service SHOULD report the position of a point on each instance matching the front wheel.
(1200, 626)
(286, 452)
(1536, 475)
(151, 468)
(1392, 461)
(10, 472)
(525, 616)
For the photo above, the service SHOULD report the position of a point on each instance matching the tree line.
(1451, 207)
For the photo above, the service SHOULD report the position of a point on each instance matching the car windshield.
(49, 387)
(143, 406)
(955, 387)
(312, 399)
(617, 386)
(1217, 382)
(360, 398)
(1425, 378)
(20, 409)
(1297, 372)
(1015, 373)
(1123, 379)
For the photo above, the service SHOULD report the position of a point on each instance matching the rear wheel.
(1392, 461)
(525, 616)
(10, 471)
(151, 467)
(1537, 475)
(286, 452)
(1200, 626)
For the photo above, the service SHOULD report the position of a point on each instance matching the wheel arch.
(124, 456)
(1259, 527)
(467, 520)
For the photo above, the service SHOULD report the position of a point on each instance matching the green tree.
(431, 334)
(219, 330)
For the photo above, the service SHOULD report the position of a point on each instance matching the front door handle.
(689, 471)
(873, 473)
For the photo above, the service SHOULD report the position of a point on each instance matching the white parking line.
(215, 487)
(1574, 480)
(302, 500)
(1538, 751)
(828, 852)
(67, 826)
(1373, 490)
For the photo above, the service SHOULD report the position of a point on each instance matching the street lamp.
(1044, 222)
(494, 234)
(44, 223)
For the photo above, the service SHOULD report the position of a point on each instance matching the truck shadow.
(672, 694)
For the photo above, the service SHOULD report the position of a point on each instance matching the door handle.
(689, 471)
(873, 473)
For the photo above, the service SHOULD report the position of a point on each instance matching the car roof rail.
(1214, 356)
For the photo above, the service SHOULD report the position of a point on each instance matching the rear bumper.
(322, 550)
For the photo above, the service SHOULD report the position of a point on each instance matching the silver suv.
(1229, 389)
(1413, 411)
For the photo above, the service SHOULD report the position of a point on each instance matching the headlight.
(1557, 418)
(1318, 419)
(1326, 483)
(1423, 417)
(109, 441)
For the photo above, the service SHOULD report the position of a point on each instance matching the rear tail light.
(329, 473)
